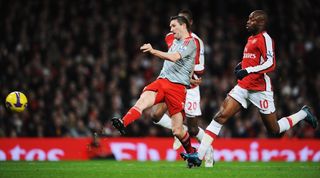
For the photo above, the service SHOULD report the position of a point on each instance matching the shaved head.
(261, 17)
(257, 21)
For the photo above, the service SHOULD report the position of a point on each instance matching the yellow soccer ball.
(16, 101)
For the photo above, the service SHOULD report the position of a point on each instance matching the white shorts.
(192, 105)
(263, 100)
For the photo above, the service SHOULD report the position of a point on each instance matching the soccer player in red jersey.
(254, 87)
(170, 86)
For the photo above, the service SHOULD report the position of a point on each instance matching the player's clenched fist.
(146, 48)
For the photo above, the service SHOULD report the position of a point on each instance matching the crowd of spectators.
(79, 62)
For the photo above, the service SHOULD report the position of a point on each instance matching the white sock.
(298, 117)
(205, 144)
(165, 121)
(207, 140)
(200, 134)
(283, 124)
(286, 123)
(214, 127)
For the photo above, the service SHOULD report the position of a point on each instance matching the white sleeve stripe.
(201, 52)
(269, 61)
(268, 82)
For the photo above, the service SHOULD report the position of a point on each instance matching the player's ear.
(191, 22)
(184, 26)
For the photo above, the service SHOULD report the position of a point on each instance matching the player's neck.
(258, 31)
(185, 35)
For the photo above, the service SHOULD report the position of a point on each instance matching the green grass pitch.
(162, 169)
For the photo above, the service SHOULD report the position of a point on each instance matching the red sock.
(133, 114)
(290, 121)
(186, 143)
(211, 134)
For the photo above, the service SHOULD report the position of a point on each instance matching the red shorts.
(173, 94)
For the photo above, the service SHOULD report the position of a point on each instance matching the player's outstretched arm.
(147, 48)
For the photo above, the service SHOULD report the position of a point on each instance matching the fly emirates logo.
(249, 55)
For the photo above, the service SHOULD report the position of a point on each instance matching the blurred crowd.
(79, 62)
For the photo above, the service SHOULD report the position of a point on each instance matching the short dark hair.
(187, 13)
(181, 20)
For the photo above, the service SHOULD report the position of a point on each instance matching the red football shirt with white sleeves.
(199, 59)
(258, 59)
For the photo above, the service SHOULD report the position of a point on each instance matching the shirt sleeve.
(169, 39)
(199, 59)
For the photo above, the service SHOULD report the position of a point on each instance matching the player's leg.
(276, 127)
(146, 100)
(193, 128)
(229, 107)
(160, 117)
(193, 112)
(175, 96)
(236, 98)
(265, 103)
(179, 132)
(192, 109)
(270, 121)
(196, 131)
(152, 94)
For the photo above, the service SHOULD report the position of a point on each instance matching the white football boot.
(209, 158)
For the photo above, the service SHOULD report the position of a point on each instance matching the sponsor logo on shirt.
(182, 48)
(202, 52)
(249, 55)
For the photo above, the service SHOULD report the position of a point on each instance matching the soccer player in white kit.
(254, 87)
(192, 105)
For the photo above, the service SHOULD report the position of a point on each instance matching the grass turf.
(132, 169)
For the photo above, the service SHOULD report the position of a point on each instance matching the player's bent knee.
(178, 132)
(193, 131)
(155, 116)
